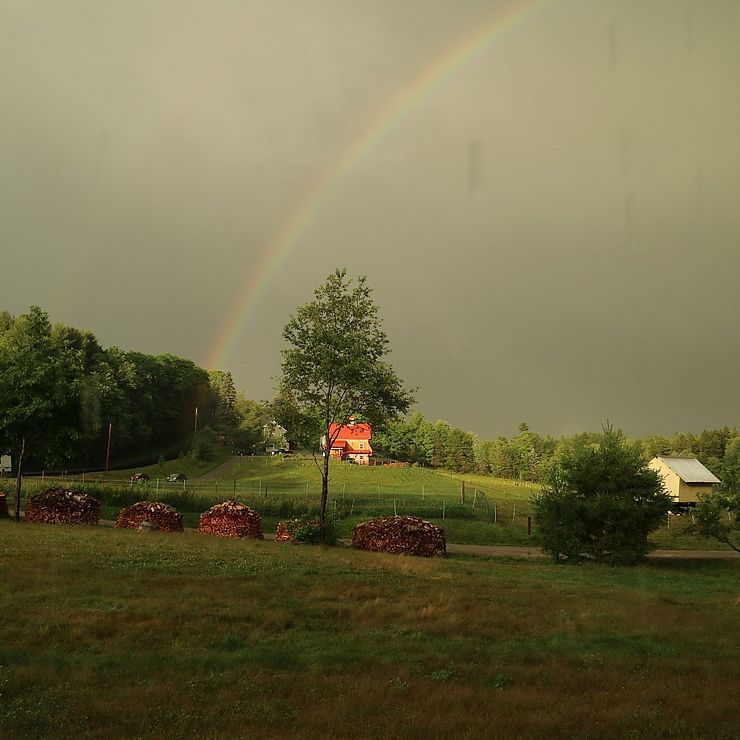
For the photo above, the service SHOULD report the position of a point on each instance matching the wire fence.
(450, 499)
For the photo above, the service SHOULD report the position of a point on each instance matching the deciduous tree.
(731, 466)
(334, 364)
(717, 516)
(30, 391)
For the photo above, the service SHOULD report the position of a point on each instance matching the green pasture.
(298, 473)
(494, 511)
(116, 633)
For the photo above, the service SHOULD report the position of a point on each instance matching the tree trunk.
(324, 493)
(18, 480)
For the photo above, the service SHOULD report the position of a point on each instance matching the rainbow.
(387, 118)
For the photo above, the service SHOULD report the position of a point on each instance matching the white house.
(274, 436)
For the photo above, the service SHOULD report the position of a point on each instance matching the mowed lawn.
(109, 633)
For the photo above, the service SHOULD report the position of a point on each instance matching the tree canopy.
(334, 367)
(717, 516)
(59, 390)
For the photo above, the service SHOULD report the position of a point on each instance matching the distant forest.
(63, 393)
(527, 455)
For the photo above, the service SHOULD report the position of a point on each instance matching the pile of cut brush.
(57, 506)
(403, 535)
(164, 516)
(231, 519)
(283, 533)
(298, 530)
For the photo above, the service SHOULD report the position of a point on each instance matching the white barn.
(685, 478)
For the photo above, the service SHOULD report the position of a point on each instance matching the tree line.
(528, 456)
(60, 391)
(63, 395)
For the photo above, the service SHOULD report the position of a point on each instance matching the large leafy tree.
(334, 364)
(250, 418)
(600, 502)
(731, 466)
(35, 387)
(286, 411)
(717, 516)
(59, 391)
(406, 439)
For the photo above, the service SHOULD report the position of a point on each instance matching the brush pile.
(402, 535)
(282, 533)
(4, 513)
(57, 506)
(163, 515)
(299, 530)
(231, 519)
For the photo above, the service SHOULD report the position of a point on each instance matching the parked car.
(139, 477)
(176, 477)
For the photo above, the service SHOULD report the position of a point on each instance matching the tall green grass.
(109, 632)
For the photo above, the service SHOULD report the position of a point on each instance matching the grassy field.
(495, 511)
(110, 633)
(298, 473)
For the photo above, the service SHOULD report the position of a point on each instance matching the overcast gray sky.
(552, 227)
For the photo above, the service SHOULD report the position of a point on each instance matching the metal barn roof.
(690, 470)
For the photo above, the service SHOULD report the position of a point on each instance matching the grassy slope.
(495, 511)
(187, 635)
(295, 472)
(191, 466)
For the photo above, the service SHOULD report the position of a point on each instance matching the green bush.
(204, 450)
(308, 531)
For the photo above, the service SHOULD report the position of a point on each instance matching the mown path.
(513, 551)
(222, 468)
(524, 552)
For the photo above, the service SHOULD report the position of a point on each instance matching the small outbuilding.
(685, 478)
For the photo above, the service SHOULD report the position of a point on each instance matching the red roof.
(350, 431)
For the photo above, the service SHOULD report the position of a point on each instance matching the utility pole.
(107, 449)
(19, 480)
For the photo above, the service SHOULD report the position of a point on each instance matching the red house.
(351, 442)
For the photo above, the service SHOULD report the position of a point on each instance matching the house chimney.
(351, 421)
